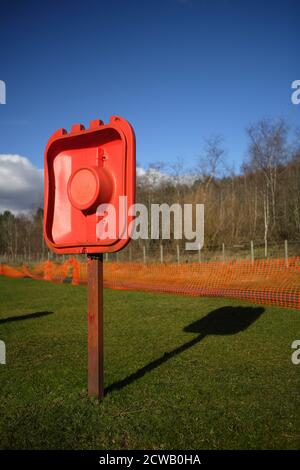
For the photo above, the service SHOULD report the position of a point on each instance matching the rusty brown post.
(95, 326)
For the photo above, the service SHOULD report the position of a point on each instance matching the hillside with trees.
(261, 202)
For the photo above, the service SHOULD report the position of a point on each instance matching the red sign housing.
(84, 170)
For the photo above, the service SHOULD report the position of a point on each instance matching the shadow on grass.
(28, 316)
(222, 321)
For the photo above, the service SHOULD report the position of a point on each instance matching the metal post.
(144, 254)
(106, 257)
(130, 254)
(252, 251)
(223, 251)
(161, 253)
(95, 326)
(199, 255)
(286, 254)
(178, 255)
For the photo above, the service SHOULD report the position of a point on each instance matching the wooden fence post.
(178, 254)
(161, 253)
(286, 253)
(252, 251)
(266, 248)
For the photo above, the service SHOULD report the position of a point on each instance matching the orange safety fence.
(270, 281)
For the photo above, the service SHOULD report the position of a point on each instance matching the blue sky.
(178, 70)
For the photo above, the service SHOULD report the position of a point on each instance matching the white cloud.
(21, 184)
(140, 171)
(155, 177)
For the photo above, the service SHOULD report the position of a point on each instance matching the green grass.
(180, 372)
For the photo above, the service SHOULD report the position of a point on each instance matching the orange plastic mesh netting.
(271, 281)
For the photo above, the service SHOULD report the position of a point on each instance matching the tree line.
(260, 202)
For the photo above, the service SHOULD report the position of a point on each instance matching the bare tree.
(211, 160)
(267, 154)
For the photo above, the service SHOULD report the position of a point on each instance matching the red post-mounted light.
(84, 170)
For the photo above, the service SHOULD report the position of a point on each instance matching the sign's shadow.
(27, 316)
(222, 321)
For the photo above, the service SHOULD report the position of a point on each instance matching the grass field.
(180, 372)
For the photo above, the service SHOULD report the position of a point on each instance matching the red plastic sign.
(89, 178)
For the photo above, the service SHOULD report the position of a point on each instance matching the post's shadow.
(222, 321)
(28, 316)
